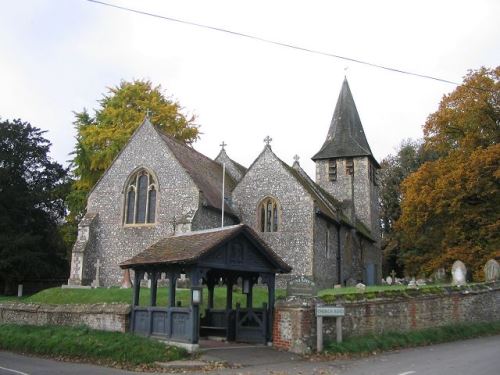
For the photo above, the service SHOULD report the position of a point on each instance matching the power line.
(269, 41)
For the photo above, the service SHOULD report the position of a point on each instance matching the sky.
(58, 57)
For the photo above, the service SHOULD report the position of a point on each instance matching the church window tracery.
(140, 199)
(269, 215)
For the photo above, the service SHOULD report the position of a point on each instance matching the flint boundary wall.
(103, 316)
(295, 321)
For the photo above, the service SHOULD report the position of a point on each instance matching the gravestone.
(300, 286)
(458, 271)
(388, 280)
(421, 282)
(126, 282)
(360, 287)
(412, 284)
(96, 283)
(491, 271)
(439, 275)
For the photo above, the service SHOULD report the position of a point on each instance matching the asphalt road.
(477, 357)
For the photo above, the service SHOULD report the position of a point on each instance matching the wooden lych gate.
(227, 256)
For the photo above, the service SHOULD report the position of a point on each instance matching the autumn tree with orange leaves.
(451, 206)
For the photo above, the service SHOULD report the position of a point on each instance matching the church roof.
(206, 173)
(224, 156)
(188, 248)
(346, 137)
(235, 169)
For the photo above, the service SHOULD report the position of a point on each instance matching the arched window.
(269, 215)
(140, 199)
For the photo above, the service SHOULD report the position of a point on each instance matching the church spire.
(346, 137)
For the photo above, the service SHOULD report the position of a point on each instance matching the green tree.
(394, 169)
(450, 206)
(32, 191)
(101, 137)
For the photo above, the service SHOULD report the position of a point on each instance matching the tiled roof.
(346, 137)
(187, 248)
(206, 173)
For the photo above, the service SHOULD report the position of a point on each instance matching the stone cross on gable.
(268, 140)
(223, 144)
(296, 158)
(148, 113)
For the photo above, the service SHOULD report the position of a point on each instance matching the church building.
(326, 229)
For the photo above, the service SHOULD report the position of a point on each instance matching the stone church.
(327, 229)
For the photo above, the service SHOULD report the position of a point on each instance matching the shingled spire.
(346, 137)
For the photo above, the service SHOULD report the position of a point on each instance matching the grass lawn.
(397, 340)
(117, 295)
(85, 344)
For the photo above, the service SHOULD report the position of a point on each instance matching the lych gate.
(224, 255)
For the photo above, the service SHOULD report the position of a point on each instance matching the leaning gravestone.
(300, 286)
(388, 280)
(491, 271)
(458, 272)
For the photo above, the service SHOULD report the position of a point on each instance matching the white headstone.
(412, 284)
(360, 286)
(388, 280)
(421, 282)
(459, 272)
(440, 275)
(491, 270)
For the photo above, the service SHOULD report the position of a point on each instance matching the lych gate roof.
(346, 137)
(188, 248)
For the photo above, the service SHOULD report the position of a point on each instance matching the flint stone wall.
(102, 316)
(295, 322)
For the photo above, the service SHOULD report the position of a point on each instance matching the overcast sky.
(60, 56)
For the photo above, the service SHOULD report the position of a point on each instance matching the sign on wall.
(300, 286)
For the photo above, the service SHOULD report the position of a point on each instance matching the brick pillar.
(294, 327)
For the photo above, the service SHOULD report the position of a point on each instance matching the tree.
(394, 169)
(101, 137)
(450, 205)
(32, 191)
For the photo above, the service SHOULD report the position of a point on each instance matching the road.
(478, 357)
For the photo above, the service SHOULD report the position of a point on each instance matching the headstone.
(458, 271)
(412, 284)
(20, 290)
(393, 274)
(126, 282)
(491, 271)
(360, 287)
(440, 275)
(337, 286)
(421, 282)
(350, 282)
(383, 281)
(388, 280)
(300, 286)
(96, 283)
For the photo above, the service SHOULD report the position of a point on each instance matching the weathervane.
(268, 140)
(223, 144)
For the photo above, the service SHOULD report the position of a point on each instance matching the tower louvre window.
(269, 215)
(140, 199)
(372, 173)
(349, 166)
(332, 170)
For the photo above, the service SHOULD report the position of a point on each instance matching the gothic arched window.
(269, 213)
(140, 198)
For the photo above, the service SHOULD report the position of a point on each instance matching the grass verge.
(118, 295)
(81, 343)
(398, 340)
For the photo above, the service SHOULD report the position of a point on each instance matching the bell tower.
(345, 166)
